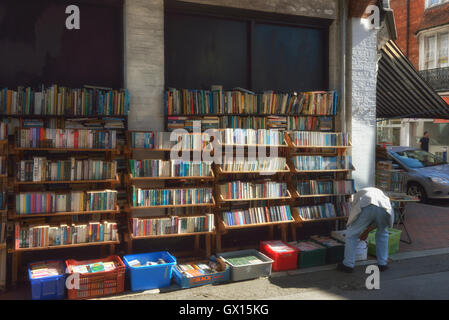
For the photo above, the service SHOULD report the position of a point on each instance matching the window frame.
(422, 38)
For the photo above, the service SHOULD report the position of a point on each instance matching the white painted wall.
(363, 97)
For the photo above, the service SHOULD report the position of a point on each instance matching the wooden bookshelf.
(258, 225)
(116, 150)
(144, 179)
(2, 245)
(180, 235)
(205, 205)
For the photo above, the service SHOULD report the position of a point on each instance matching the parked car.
(427, 174)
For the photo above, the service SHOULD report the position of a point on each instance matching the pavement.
(412, 276)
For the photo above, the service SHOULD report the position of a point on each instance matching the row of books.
(172, 225)
(241, 101)
(257, 216)
(310, 123)
(319, 139)
(3, 131)
(310, 163)
(198, 269)
(326, 187)
(247, 190)
(263, 165)
(173, 168)
(44, 236)
(167, 141)
(169, 197)
(75, 201)
(252, 137)
(324, 211)
(41, 169)
(58, 100)
(66, 139)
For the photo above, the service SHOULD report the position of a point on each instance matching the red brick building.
(423, 36)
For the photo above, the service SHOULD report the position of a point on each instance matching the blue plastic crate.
(150, 277)
(215, 278)
(48, 288)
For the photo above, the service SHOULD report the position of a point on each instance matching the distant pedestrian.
(425, 141)
(371, 208)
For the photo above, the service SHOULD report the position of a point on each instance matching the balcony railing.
(437, 78)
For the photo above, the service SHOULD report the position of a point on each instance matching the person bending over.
(371, 208)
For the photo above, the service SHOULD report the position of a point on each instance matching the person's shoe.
(341, 267)
(383, 268)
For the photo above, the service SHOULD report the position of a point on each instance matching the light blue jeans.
(368, 216)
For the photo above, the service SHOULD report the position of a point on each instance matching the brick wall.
(416, 14)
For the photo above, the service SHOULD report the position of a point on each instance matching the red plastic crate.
(100, 284)
(285, 257)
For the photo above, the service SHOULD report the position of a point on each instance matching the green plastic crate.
(311, 258)
(393, 242)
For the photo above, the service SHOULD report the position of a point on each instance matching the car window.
(418, 159)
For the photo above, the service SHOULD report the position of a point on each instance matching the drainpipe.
(343, 15)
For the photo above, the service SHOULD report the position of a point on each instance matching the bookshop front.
(100, 185)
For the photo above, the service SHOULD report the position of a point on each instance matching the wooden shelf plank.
(116, 181)
(173, 206)
(91, 244)
(321, 220)
(63, 214)
(171, 235)
(259, 225)
(321, 171)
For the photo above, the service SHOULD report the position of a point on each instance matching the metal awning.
(402, 92)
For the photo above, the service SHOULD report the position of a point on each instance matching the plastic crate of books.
(310, 254)
(393, 242)
(247, 264)
(361, 252)
(285, 257)
(47, 280)
(335, 249)
(201, 273)
(97, 278)
(150, 271)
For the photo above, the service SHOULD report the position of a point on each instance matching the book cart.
(45, 150)
(158, 212)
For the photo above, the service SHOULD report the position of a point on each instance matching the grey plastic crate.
(251, 271)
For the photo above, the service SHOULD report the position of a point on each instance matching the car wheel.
(416, 190)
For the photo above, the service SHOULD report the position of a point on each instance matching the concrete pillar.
(363, 99)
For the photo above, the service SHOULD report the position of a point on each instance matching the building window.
(435, 51)
(432, 3)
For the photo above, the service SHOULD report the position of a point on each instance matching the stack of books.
(58, 100)
(247, 190)
(257, 216)
(41, 169)
(66, 139)
(252, 137)
(237, 122)
(172, 225)
(312, 187)
(191, 123)
(312, 163)
(266, 165)
(319, 139)
(171, 197)
(75, 201)
(44, 236)
(198, 269)
(46, 269)
(174, 168)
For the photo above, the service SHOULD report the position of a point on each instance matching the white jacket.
(370, 196)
